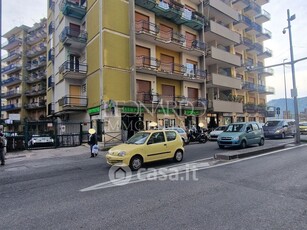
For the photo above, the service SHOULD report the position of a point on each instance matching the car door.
(156, 148)
(173, 142)
(257, 131)
(250, 135)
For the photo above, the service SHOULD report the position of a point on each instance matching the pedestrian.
(2, 146)
(92, 140)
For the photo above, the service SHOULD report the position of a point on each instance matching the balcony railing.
(266, 53)
(11, 56)
(37, 50)
(11, 93)
(264, 16)
(11, 68)
(36, 91)
(35, 64)
(144, 26)
(73, 8)
(11, 43)
(253, 9)
(36, 77)
(36, 36)
(264, 34)
(249, 86)
(147, 98)
(73, 37)
(243, 22)
(35, 105)
(196, 44)
(73, 101)
(11, 80)
(73, 68)
(266, 89)
(11, 107)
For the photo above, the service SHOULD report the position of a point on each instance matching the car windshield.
(138, 138)
(271, 123)
(235, 128)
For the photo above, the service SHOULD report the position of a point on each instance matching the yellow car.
(303, 127)
(147, 146)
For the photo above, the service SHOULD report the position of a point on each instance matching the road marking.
(184, 168)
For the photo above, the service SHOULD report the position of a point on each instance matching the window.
(157, 138)
(170, 135)
(255, 126)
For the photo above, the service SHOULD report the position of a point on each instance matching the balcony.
(11, 68)
(263, 17)
(35, 105)
(12, 80)
(240, 4)
(35, 92)
(36, 63)
(215, 80)
(36, 77)
(242, 23)
(37, 50)
(250, 108)
(265, 72)
(262, 89)
(253, 9)
(75, 9)
(221, 57)
(221, 11)
(253, 29)
(11, 93)
(249, 86)
(11, 107)
(225, 106)
(12, 56)
(36, 36)
(73, 38)
(224, 36)
(11, 43)
(71, 102)
(245, 44)
(73, 70)
(147, 98)
(266, 53)
(175, 12)
(264, 35)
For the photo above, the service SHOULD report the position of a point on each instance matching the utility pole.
(285, 82)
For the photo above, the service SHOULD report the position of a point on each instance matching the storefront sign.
(93, 110)
(132, 110)
(191, 112)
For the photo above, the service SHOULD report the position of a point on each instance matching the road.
(267, 192)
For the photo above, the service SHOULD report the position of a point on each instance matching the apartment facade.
(24, 73)
(169, 62)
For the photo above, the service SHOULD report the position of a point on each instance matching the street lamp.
(294, 90)
(285, 88)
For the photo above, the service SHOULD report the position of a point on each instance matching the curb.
(248, 153)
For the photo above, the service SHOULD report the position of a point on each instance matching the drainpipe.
(132, 51)
(100, 61)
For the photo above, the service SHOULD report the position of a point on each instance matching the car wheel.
(136, 163)
(261, 142)
(183, 141)
(243, 144)
(221, 146)
(178, 156)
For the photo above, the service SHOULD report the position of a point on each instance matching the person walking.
(2, 146)
(92, 140)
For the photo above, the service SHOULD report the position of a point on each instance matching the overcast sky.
(27, 12)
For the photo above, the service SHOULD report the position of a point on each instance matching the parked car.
(241, 134)
(279, 128)
(181, 132)
(215, 133)
(40, 140)
(147, 146)
(303, 127)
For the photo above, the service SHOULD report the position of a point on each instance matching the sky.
(27, 12)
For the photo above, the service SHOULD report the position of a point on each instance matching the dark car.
(279, 128)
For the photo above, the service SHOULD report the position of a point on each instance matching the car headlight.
(122, 153)
(278, 131)
(236, 138)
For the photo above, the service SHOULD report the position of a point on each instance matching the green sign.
(132, 110)
(191, 112)
(94, 110)
(165, 111)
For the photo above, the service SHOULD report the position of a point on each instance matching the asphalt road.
(269, 192)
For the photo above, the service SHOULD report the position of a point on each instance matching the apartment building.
(169, 62)
(24, 76)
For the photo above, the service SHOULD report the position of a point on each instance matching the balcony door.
(74, 63)
(74, 30)
(193, 95)
(143, 91)
(166, 32)
(189, 39)
(74, 95)
(168, 93)
(141, 22)
(167, 63)
(142, 56)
